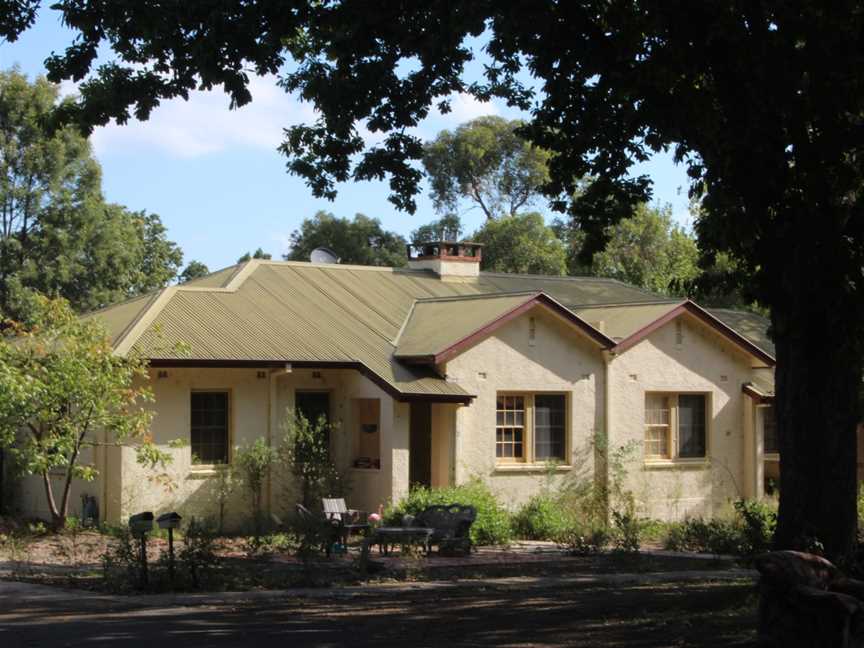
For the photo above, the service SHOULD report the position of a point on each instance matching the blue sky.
(217, 182)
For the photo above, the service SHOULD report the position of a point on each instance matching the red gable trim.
(707, 318)
(540, 299)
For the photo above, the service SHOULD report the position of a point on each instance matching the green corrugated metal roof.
(304, 312)
(619, 322)
(216, 279)
(437, 324)
(118, 318)
(752, 326)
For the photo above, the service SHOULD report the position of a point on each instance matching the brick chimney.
(448, 259)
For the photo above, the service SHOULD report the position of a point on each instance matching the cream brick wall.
(703, 362)
(560, 360)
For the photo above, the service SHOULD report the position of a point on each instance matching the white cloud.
(204, 124)
(465, 107)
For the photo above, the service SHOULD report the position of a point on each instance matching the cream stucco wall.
(560, 360)
(703, 362)
(31, 499)
(259, 405)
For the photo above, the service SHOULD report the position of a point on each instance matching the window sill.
(771, 456)
(204, 471)
(677, 463)
(530, 468)
(364, 470)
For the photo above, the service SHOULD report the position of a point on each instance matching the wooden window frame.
(529, 458)
(229, 435)
(673, 439)
(762, 411)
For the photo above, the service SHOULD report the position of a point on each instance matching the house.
(436, 373)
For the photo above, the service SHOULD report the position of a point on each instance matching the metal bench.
(451, 525)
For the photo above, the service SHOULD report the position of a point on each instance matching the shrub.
(758, 522)
(305, 451)
(626, 530)
(253, 464)
(704, 536)
(714, 536)
(581, 540)
(543, 517)
(121, 563)
(750, 532)
(197, 559)
(492, 525)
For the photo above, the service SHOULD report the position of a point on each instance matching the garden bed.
(74, 559)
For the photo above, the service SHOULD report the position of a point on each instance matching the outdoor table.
(385, 537)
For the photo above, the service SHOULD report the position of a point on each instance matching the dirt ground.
(675, 614)
(74, 560)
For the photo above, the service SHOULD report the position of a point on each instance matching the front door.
(420, 450)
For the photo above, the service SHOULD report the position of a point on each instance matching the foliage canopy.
(63, 393)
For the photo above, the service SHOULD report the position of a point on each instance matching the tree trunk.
(58, 520)
(818, 376)
(2, 481)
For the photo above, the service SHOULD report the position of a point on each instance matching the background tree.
(487, 163)
(57, 234)
(573, 240)
(258, 254)
(448, 227)
(521, 244)
(63, 387)
(760, 100)
(648, 250)
(361, 241)
(194, 270)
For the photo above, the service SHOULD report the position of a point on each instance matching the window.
(313, 405)
(531, 427)
(770, 440)
(510, 428)
(658, 425)
(675, 426)
(209, 430)
(550, 411)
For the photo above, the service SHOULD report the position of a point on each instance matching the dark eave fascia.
(402, 397)
(704, 316)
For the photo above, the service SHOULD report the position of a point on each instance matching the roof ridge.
(737, 310)
(485, 295)
(341, 266)
(149, 313)
(657, 302)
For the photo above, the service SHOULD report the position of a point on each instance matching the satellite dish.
(323, 255)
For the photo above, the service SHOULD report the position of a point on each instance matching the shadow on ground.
(684, 614)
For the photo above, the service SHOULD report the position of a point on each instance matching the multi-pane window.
(769, 431)
(658, 425)
(209, 430)
(676, 426)
(510, 428)
(531, 427)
